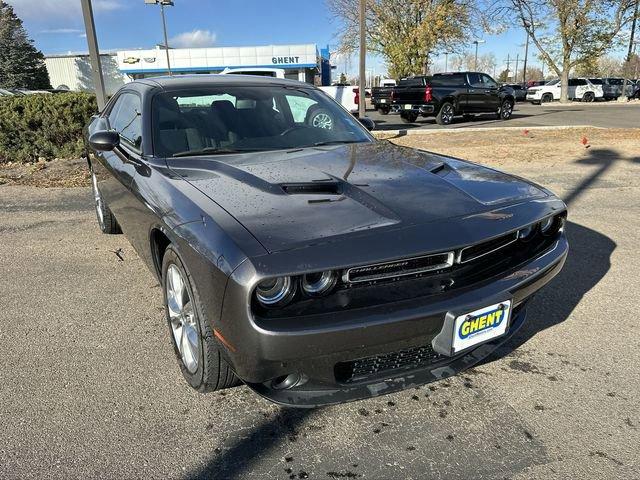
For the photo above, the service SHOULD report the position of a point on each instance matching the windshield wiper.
(214, 151)
(335, 142)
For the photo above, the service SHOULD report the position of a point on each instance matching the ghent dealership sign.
(285, 60)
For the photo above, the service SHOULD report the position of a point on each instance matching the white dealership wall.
(73, 72)
(299, 61)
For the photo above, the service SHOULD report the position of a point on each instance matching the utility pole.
(446, 61)
(515, 77)
(94, 53)
(508, 65)
(362, 108)
(524, 68)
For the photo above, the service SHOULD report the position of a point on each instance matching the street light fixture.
(475, 63)
(163, 3)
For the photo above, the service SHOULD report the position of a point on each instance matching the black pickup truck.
(447, 95)
(381, 98)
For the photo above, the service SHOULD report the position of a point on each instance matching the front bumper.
(313, 346)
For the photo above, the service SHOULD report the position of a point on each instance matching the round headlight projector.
(316, 284)
(546, 224)
(275, 291)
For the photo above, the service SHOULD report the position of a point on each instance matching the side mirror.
(367, 123)
(104, 140)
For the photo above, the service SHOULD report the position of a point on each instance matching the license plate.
(382, 100)
(408, 106)
(481, 325)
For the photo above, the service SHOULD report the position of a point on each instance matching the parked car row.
(583, 89)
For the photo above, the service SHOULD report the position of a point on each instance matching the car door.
(492, 97)
(115, 170)
(574, 83)
(475, 93)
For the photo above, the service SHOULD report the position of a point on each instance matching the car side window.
(490, 82)
(573, 82)
(475, 80)
(125, 118)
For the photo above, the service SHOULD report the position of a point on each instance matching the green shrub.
(44, 126)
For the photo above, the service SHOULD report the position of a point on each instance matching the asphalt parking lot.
(599, 114)
(89, 387)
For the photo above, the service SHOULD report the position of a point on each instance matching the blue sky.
(56, 26)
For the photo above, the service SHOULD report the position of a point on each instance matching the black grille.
(404, 359)
(399, 268)
(476, 251)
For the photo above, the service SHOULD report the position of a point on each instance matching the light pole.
(524, 68)
(446, 61)
(163, 3)
(94, 54)
(475, 63)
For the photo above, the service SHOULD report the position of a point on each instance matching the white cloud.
(193, 39)
(62, 30)
(46, 9)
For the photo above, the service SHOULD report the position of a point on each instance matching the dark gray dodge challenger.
(302, 257)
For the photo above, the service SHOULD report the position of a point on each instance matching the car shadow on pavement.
(588, 261)
(240, 457)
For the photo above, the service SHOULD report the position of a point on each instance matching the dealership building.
(303, 62)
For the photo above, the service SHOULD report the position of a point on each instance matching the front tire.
(546, 98)
(193, 341)
(588, 97)
(506, 110)
(384, 110)
(445, 114)
(106, 219)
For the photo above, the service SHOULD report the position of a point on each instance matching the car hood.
(291, 199)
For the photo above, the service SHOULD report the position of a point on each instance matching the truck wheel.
(408, 117)
(506, 110)
(384, 110)
(106, 219)
(546, 98)
(193, 341)
(446, 114)
(588, 97)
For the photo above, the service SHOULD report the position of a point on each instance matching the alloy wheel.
(506, 110)
(447, 114)
(182, 318)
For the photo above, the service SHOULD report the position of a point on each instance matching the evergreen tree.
(21, 63)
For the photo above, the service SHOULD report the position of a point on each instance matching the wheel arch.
(159, 241)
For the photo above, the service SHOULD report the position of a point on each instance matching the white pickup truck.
(346, 95)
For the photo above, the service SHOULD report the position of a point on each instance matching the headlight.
(526, 233)
(316, 284)
(275, 291)
(546, 224)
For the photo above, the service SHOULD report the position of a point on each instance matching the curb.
(431, 131)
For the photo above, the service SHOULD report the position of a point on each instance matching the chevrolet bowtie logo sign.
(131, 60)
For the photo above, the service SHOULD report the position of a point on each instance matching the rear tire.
(205, 369)
(408, 117)
(106, 219)
(445, 114)
(588, 97)
(384, 110)
(546, 98)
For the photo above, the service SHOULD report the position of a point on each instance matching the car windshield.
(232, 119)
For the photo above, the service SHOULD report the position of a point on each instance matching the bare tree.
(406, 32)
(568, 32)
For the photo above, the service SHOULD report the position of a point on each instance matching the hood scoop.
(313, 188)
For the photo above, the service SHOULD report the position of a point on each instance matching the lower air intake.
(401, 360)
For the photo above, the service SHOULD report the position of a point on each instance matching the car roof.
(186, 81)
